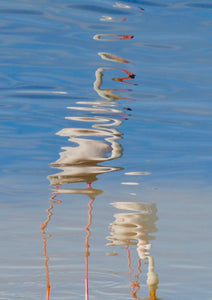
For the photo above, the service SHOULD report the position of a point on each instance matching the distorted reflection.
(45, 236)
(130, 183)
(111, 57)
(80, 163)
(91, 193)
(137, 173)
(108, 93)
(121, 5)
(135, 229)
(97, 108)
(114, 37)
(123, 79)
(111, 19)
(90, 145)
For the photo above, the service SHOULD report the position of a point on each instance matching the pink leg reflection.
(86, 244)
(134, 284)
(44, 242)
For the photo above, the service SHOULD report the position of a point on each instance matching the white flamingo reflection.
(80, 163)
(134, 229)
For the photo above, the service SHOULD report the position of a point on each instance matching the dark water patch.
(20, 12)
(100, 27)
(147, 3)
(200, 5)
(164, 47)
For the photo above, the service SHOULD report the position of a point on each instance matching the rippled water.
(106, 150)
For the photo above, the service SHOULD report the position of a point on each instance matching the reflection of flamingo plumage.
(130, 227)
(79, 163)
(134, 228)
(112, 57)
(86, 151)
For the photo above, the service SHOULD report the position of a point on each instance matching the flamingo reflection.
(134, 229)
(81, 162)
(107, 93)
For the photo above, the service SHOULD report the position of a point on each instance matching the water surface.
(106, 150)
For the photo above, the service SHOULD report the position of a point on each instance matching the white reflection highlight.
(59, 92)
(112, 57)
(121, 5)
(96, 109)
(130, 183)
(111, 19)
(137, 173)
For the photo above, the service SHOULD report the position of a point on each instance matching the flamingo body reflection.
(134, 229)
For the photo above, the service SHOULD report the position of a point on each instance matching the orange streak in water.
(44, 243)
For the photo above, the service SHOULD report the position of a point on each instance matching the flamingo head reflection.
(108, 93)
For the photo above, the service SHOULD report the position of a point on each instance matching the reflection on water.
(114, 134)
(121, 5)
(99, 143)
(114, 37)
(111, 19)
(108, 93)
(80, 163)
(134, 229)
(45, 236)
(111, 57)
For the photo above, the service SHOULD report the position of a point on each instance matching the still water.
(106, 150)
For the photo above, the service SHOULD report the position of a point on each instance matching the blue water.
(106, 150)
